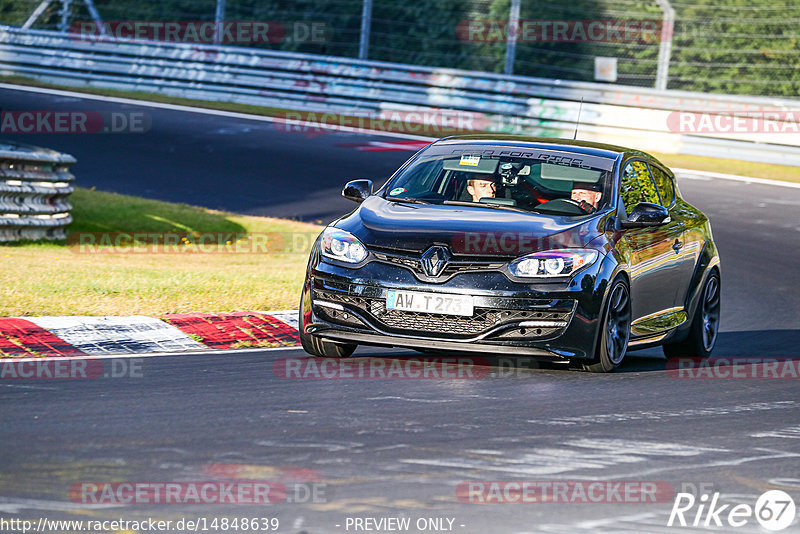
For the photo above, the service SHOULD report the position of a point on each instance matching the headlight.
(552, 263)
(343, 246)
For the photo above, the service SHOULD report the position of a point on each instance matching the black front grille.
(452, 326)
(454, 265)
(481, 320)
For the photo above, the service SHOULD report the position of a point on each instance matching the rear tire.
(616, 330)
(705, 324)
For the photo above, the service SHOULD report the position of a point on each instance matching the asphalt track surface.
(241, 165)
(399, 448)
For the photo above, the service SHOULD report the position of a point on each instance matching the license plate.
(429, 302)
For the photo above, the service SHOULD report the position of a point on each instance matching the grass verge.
(700, 163)
(784, 173)
(128, 255)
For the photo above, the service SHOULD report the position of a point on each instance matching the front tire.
(319, 347)
(325, 349)
(705, 324)
(616, 330)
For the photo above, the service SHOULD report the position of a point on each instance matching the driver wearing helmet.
(587, 195)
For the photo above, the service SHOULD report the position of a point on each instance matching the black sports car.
(562, 250)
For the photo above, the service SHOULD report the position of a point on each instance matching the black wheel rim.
(618, 323)
(710, 313)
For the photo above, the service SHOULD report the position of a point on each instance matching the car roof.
(579, 146)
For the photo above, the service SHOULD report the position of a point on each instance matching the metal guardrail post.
(98, 22)
(34, 186)
(36, 14)
(219, 18)
(66, 13)
(366, 22)
(511, 39)
(665, 46)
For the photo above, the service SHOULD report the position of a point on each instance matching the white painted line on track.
(685, 173)
(209, 111)
(206, 352)
(263, 118)
(13, 505)
(768, 454)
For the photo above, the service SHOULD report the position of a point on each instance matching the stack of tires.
(34, 186)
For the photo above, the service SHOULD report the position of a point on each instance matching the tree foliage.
(719, 46)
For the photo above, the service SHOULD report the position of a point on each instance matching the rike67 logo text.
(774, 510)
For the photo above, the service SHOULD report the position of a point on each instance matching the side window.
(636, 185)
(665, 188)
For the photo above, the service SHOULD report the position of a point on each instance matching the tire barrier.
(34, 186)
(624, 115)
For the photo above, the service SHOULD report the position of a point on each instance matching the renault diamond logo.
(434, 260)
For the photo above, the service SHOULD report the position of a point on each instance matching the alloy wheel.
(710, 313)
(618, 323)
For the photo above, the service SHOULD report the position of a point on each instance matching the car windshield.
(541, 181)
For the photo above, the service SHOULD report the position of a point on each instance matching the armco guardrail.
(644, 118)
(34, 186)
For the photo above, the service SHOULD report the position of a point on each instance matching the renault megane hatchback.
(559, 250)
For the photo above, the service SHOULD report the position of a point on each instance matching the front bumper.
(546, 320)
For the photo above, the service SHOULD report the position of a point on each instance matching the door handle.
(677, 246)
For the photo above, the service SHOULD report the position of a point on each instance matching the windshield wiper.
(484, 205)
(408, 200)
(563, 213)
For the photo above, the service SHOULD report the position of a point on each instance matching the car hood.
(464, 229)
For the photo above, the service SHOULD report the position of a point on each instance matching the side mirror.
(647, 214)
(357, 190)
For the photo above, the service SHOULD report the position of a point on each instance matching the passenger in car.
(586, 194)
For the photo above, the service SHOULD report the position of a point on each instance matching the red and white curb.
(139, 334)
